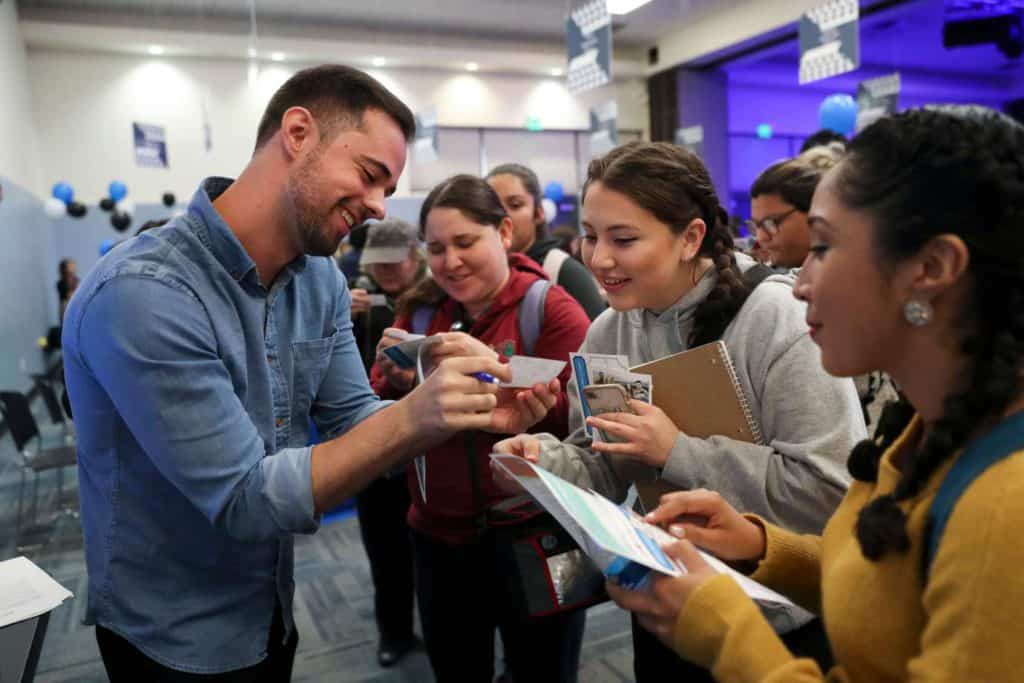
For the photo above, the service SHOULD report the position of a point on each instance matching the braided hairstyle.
(920, 174)
(673, 184)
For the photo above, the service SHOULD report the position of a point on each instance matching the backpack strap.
(531, 314)
(1006, 439)
(553, 261)
(755, 275)
(421, 318)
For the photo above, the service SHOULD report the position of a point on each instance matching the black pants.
(383, 507)
(461, 605)
(125, 663)
(653, 662)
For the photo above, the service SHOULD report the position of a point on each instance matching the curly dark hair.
(673, 184)
(920, 174)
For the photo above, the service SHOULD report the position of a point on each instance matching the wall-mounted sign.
(877, 97)
(589, 39)
(829, 40)
(150, 145)
(427, 146)
(604, 132)
(692, 138)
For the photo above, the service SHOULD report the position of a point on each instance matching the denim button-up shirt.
(192, 386)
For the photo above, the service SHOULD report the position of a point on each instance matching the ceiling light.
(277, 56)
(472, 66)
(624, 6)
(556, 72)
(252, 53)
(378, 61)
(155, 50)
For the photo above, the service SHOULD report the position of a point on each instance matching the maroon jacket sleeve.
(378, 381)
(565, 326)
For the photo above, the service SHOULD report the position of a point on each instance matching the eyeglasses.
(770, 224)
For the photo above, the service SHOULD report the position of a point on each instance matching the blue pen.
(485, 377)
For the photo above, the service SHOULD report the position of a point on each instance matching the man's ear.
(298, 132)
(693, 238)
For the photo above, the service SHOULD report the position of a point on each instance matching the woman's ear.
(938, 266)
(693, 238)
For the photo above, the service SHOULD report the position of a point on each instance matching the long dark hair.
(794, 180)
(475, 199)
(673, 184)
(920, 174)
(531, 184)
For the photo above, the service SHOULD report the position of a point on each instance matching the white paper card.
(527, 371)
(27, 591)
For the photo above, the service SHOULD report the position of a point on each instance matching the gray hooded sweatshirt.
(809, 420)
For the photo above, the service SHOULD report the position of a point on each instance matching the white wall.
(84, 105)
(17, 137)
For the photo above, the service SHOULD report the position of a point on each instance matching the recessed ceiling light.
(277, 56)
(378, 61)
(472, 66)
(252, 52)
(624, 6)
(556, 72)
(155, 50)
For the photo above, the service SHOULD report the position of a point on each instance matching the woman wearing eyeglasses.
(473, 298)
(780, 199)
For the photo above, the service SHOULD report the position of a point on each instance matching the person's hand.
(455, 344)
(452, 400)
(647, 436)
(401, 379)
(360, 301)
(526, 446)
(505, 482)
(657, 608)
(520, 409)
(706, 519)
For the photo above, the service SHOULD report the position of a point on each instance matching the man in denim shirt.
(195, 355)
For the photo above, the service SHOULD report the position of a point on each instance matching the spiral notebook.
(698, 389)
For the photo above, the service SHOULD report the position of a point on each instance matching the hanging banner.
(692, 138)
(829, 40)
(589, 40)
(877, 97)
(426, 147)
(150, 145)
(604, 132)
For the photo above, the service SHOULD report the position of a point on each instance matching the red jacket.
(450, 513)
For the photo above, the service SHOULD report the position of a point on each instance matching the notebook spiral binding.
(755, 427)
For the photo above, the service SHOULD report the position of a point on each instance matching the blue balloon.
(554, 191)
(838, 113)
(63, 192)
(106, 245)
(117, 190)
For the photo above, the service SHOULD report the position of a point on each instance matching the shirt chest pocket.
(310, 360)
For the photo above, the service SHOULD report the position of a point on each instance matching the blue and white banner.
(691, 138)
(604, 131)
(150, 145)
(589, 39)
(877, 97)
(829, 40)
(426, 147)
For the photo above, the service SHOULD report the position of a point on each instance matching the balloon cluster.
(553, 193)
(62, 201)
(119, 207)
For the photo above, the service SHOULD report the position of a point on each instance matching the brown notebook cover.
(699, 391)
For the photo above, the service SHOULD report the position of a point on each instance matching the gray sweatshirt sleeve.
(809, 420)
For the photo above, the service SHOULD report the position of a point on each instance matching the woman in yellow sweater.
(917, 269)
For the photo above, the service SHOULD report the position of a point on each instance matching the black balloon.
(107, 204)
(120, 221)
(169, 199)
(76, 209)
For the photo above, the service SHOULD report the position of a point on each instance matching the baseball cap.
(388, 242)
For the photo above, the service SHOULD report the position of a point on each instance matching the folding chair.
(53, 406)
(34, 455)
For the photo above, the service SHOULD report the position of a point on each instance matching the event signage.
(877, 97)
(604, 133)
(150, 145)
(692, 138)
(427, 146)
(589, 39)
(829, 40)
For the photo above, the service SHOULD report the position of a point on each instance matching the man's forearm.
(344, 466)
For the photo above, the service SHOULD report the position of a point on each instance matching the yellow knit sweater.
(966, 624)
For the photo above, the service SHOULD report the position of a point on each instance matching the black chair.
(34, 456)
(53, 404)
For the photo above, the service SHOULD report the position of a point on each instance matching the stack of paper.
(27, 591)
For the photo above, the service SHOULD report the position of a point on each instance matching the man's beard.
(311, 227)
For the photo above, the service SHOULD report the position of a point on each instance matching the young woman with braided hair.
(926, 216)
(656, 239)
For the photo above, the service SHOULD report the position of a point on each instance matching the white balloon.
(125, 206)
(54, 208)
(550, 209)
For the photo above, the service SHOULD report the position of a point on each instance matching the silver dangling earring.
(918, 313)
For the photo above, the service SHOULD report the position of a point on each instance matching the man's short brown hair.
(337, 96)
